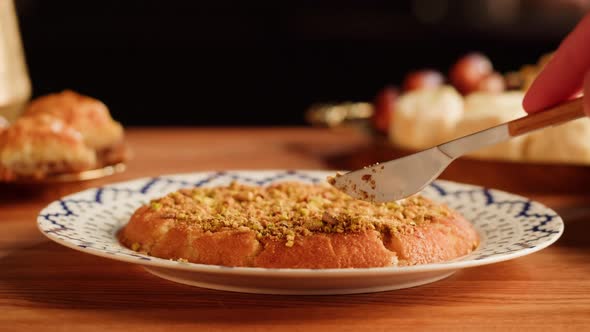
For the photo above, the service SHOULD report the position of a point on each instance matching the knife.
(397, 179)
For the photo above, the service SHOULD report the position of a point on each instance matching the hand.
(566, 74)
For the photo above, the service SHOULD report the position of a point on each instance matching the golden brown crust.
(88, 115)
(41, 145)
(332, 250)
(60, 133)
(112, 155)
(444, 239)
(294, 225)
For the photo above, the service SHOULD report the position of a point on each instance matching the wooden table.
(44, 286)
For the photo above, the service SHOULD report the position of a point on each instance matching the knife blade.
(397, 179)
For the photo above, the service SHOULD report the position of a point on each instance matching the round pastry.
(295, 225)
(41, 145)
(426, 117)
(566, 143)
(485, 110)
(89, 116)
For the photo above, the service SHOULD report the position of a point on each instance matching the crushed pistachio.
(287, 210)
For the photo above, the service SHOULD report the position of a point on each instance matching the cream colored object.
(15, 87)
(88, 115)
(567, 143)
(427, 117)
(485, 110)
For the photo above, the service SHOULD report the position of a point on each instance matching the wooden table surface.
(44, 286)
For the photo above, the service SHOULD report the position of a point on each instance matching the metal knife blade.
(403, 177)
(400, 178)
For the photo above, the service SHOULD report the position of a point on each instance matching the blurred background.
(229, 63)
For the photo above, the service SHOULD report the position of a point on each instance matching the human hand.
(566, 74)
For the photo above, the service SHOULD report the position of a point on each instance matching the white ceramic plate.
(510, 226)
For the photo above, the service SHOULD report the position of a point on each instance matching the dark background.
(260, 63)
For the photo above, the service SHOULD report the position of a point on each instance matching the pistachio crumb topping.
(155, 206)
(288, 209)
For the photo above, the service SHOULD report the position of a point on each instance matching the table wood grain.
(47, 287)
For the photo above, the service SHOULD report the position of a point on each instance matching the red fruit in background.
(492, 83)
(384, 108)
(469, 71)
(422, 79)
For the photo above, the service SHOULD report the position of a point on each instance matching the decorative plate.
(510, 226)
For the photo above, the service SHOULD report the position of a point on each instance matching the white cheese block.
(566, 143)
(485, 110)
(427, 117)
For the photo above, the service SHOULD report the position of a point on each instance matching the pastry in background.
(60, 133)
(90, 117)
(485, 110)
(566, 143)
(34, 147)
(426, 113)
(426, 117)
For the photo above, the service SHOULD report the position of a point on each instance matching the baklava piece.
(90, 117)
(34, 147)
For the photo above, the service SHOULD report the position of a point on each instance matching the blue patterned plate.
(510, 226)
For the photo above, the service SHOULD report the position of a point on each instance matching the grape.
(422, 79)
(384, 108)
(469, 71)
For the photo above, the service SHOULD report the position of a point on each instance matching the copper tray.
(91, 174)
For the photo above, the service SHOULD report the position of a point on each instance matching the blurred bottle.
(15, 86)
